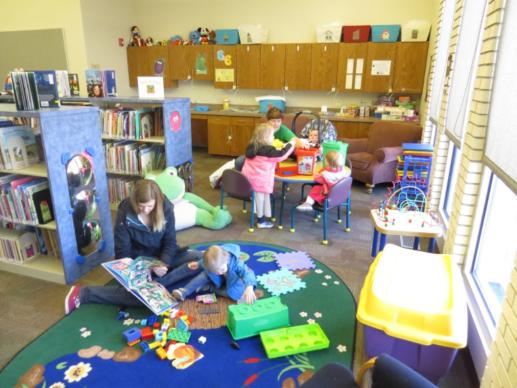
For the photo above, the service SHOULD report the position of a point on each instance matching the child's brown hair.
(214, 257)
(261, 136)
(274, 113)
(334, 159)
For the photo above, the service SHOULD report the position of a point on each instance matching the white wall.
(92, 29)
(287, 21)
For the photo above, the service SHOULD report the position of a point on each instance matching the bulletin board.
(32, 50)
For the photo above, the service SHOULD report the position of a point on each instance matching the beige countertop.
(252, 111)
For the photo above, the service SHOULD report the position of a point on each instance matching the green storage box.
(335, 146)
(293, 340)
(247, 320)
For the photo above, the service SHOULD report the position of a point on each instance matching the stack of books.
(18, 246)
(132, 158)
(25, 200)
(18, 147)
(130, 123)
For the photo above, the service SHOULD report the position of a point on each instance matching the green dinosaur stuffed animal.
(189, 209)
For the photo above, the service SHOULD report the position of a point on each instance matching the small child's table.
(403, 223)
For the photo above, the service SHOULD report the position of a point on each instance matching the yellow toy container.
(413, 306)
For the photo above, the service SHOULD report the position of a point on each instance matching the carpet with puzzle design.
(87, 346)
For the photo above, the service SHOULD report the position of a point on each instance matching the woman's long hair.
(144, 191)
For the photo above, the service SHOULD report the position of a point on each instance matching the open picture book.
(135, 276)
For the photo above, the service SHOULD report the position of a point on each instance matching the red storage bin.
(306, 160)
(354, 34)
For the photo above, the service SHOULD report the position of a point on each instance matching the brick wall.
(501, 369)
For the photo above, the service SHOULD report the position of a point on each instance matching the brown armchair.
(374, 159)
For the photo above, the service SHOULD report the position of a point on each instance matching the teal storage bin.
(267, 102)
(338, 146)
(248, 320)
(385, 33)
(227, 36)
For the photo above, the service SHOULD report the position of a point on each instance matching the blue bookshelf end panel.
(78, 185)
(177, 131)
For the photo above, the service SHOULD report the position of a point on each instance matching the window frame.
(449, 182)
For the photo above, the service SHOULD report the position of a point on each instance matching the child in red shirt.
(325, 179)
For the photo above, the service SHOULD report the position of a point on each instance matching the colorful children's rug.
(86, 348)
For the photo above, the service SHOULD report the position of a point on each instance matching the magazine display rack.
(69, 135)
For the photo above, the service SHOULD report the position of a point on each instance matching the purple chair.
(235, 184)
(339, 195)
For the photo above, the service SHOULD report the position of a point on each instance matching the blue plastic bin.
(227, 36)
(385, 33)
(267, 102)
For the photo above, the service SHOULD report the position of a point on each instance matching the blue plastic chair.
(339, 195)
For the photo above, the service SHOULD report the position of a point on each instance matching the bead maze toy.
(249, 320)
(293, 340)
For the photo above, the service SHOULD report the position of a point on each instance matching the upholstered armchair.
(374, 159)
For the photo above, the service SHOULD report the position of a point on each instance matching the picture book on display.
(73, 80)
(46, 83)
(101, 83)
(135, 276)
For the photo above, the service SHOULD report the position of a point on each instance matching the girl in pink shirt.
(259, 168)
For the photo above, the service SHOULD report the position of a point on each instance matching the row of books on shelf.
(19, 148)
(21, 245)
(25, 199)
(129, 157)
(43, 88)
(119, 188)
(132, 123)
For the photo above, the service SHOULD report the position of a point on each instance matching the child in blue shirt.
(224, 272)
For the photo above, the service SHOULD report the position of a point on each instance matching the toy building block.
(154, 345)
(151, 320)
(157, 325)
(202, 340)
(122, 315)
(182, 325)
(146, 333)
(179, 335)
(132, 334)
(248, 320)
(158, 336)
(143, 322)
(144, 346)
(133, 342)
(293, 340)
(161, 353)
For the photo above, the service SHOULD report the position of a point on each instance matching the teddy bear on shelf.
(204, 35)
(149, 41)
(136, 39)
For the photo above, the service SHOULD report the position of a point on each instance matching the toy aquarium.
(267, 102)
(413, 306)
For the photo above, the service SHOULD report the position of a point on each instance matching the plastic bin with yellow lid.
(411, 303)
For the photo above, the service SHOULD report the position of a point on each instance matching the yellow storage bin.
(414, 303)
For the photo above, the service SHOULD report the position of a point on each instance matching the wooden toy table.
(410, 224)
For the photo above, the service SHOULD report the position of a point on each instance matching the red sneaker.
(72, 300)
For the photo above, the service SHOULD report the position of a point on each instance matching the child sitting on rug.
(325, 179)
(224, 273)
